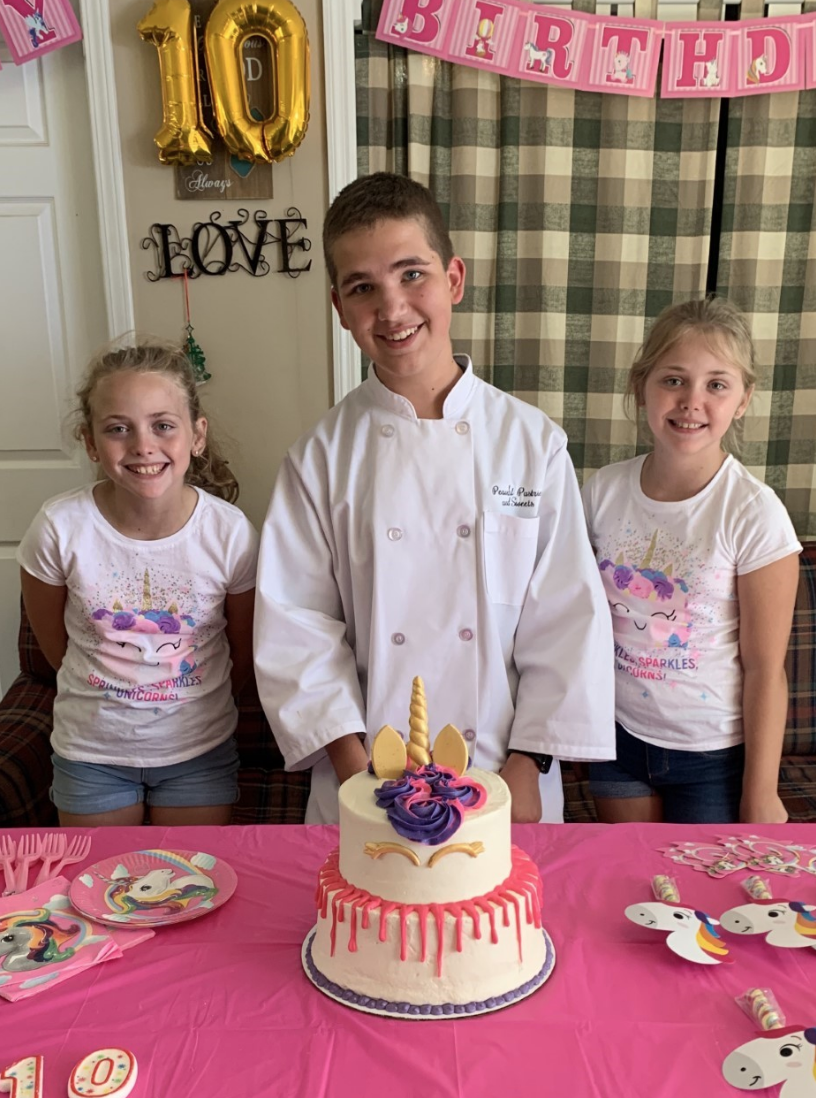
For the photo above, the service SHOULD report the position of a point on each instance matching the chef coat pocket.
(510, 553)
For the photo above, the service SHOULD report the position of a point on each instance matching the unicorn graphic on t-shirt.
(647, 600)
(146, 645)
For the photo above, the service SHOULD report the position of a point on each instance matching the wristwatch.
(543, 762)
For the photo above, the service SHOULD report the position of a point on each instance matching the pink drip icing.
(422, 913)
(523, 883)
(491, 914)
(353, 932)
(475, 918)
(403, 916)
(438, 911)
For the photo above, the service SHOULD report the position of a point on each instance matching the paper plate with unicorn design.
(153, 887)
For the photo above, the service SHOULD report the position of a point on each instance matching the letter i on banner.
(34, 27)
(695, 60)
(423, 24)
(768, 56)
(24, 1079)
(483, 35)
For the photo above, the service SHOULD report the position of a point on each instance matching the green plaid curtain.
(767, 266)
(579, 216)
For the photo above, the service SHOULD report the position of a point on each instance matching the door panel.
(52, 300)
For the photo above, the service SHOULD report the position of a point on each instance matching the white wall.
(267, 340)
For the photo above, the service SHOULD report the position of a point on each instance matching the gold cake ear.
(388, 754)
(451, 750)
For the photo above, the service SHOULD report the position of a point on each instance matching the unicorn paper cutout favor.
(789, 924)
(692, 934)
(786, 1056)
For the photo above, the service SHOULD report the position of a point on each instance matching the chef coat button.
(466, 634)
(398, 638)
(469, 734)
(463, 531)
(462, 428)
(387, 431)
(395, 533)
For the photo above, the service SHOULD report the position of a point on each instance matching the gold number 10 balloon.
(183, 137)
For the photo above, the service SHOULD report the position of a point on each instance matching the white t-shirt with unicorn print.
(146, 676)
(670, 574)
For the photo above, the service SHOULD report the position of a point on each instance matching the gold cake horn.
(419, 746)
(390, 756)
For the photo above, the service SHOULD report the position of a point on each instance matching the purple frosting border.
(425, 1010)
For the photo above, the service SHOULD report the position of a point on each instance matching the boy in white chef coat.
(428, 525)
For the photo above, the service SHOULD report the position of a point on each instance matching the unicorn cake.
(426, 909)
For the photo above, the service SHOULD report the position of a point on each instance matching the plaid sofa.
(270, 795)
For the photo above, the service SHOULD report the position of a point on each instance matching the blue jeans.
(84, 788)
(695, 786)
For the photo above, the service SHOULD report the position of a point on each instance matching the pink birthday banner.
(34, 27)
(611, 54)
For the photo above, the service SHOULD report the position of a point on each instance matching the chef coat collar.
(455, 402)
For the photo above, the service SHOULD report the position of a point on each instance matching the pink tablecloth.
(220, 1006)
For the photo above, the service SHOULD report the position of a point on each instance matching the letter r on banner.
(426, 11)
(556, 34)
(691, 55)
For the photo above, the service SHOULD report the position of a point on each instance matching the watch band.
(543, 762)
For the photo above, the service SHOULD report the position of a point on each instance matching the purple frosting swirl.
(427, 805)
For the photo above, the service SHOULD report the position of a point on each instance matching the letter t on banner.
(695, 60)
(624, 56)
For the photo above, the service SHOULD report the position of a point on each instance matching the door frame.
(108, 167)
(341, 134)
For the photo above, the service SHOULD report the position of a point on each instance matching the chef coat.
(452, 548)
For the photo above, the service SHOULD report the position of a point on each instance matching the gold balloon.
(183, 137)
(283, 27)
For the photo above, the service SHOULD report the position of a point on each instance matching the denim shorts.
(85, 788)
(695, 786)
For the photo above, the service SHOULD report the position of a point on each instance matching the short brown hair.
(384, 196)
(208, 470)
(716, 320)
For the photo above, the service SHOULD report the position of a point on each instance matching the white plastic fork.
(78, 849)
(53, 848)
(28, 851)
(8, 852)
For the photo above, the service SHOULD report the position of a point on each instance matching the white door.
(52, 296)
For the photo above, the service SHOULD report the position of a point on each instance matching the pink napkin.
(43, 940)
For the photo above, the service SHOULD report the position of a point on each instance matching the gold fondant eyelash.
(376, 850)
(456, 848)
